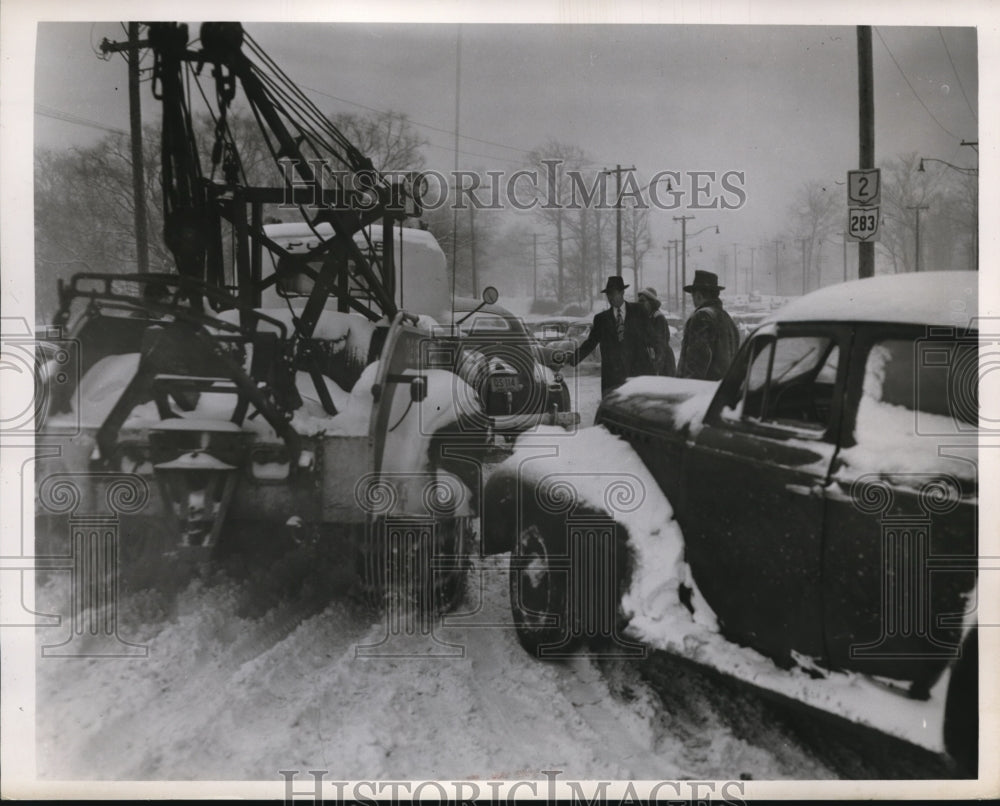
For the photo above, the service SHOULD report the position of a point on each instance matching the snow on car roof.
(945, 298)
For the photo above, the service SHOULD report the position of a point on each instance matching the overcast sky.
(779, 103)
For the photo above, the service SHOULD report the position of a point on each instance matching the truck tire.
(539, 590)
(434, 576)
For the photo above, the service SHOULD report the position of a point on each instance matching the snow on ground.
(227, 696)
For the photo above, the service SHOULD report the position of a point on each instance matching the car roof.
(941, 298)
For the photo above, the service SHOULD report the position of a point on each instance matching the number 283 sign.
(862, 223)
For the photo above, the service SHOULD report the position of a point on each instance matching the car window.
(789, 382)
(485, 323)
(912, 386)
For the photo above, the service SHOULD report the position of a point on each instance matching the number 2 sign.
(863, 188)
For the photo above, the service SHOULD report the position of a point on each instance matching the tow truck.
(210, 410)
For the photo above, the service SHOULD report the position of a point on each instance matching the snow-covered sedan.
(807, 525)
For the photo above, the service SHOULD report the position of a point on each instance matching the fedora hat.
(615, 283)
(704, 281)
(650, 294)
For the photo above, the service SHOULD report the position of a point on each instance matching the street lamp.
(975, 203)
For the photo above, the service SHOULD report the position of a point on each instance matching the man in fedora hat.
(710, 335)
(623, 333)
(662, 355)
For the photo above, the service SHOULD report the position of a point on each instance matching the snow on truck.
(808, 525)
(283, 393)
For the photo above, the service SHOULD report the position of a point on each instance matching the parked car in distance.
(514, 374)
(566, 333)
(822, 499)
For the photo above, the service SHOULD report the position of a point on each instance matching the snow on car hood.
(673, 404)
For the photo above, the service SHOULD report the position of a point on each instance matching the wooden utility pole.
(776, 245)
(454, 209)
(677, 273)
(472, 251)
(684, 277)
(803, 240)
(917, 208)
(866, 131)
(617, 171)
(534, 263)
(135, 132)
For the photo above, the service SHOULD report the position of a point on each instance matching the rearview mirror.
(490, 295)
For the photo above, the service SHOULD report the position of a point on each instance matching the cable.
(908, 84)
(955, 71)
(66, 117)
(418, 123)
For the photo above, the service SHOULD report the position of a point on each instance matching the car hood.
(660, 404)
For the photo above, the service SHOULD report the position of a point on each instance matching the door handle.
(808, 490)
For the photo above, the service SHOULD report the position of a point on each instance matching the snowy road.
(226, 696)
(238, 686)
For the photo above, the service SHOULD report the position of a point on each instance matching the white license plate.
(505, 384)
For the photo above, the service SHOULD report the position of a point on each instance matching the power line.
(908, 84)
(957, 78)
(56, 114)
(418, 123)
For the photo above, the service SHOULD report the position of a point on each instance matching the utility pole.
(736, 271)
(617, 171)
(600, 254)
(472, 251)
(135, 131)
(683, 219)
(454, 212)
(866, 131)
(671, 271)
(753, 251)
(844, 236)
(677, 286)
(803, 241)
(534, 263)
(776, 243)
(917, 208)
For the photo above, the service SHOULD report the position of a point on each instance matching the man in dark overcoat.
(623, 333)
(711, 338)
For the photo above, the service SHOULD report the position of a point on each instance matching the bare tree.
(813, 216)
(559, 196)
(635, 237)
(387, 139)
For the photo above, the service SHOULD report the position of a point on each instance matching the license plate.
(506, 383)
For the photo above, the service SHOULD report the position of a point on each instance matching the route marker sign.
(862, 223)
(864, 188)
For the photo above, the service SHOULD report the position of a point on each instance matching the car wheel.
(409, 569)
(539, 596)
(448, 584)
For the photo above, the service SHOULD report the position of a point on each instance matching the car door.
(900, 543)
(754, 477)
